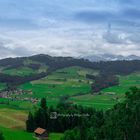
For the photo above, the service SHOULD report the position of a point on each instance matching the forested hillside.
(21, 70)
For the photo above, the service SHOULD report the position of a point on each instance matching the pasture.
(97, 101)
(13, 134)
(110, 96)
(125, 82)
(12, 124)
(16, 104)
(11, 118)
(65, 82)
(22, 71)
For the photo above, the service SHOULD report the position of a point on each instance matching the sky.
(69, 27)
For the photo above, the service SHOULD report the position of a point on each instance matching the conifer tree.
(30, 126)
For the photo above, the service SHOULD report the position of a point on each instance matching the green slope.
(22, 71)
(11, 134)
(12, 125)
(110, 96)
(69, 81)
(125, 82)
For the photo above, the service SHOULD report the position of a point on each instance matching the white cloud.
(64, 42)
(51, 27)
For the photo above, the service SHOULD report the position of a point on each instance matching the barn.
(41, 133)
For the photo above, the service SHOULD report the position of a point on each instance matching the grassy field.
(12, 124)
(22, 71)
(97, 101)
(15, 104)
(69, 81)
(11, 118)
(55, 136)
(110, 96)
(125, 82)
(12, 134)
(72, 81)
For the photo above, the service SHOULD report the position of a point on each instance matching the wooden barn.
(41, 133)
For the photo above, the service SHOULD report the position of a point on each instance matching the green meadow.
(72, 82)
(110, 96)
(22, 71)
(12, 134)
(15, 104)
(65, 82)
(104, 101)
(125, 82)
(12, 124)
(11, 118)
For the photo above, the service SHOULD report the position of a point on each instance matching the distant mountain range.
(110, 57)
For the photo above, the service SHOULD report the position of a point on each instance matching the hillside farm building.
(41, 134)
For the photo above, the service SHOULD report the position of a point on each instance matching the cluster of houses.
(16, 95)
(7, 93)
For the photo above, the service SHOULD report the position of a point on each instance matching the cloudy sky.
(69, 27)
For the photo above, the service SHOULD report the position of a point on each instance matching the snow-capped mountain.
(110, 57)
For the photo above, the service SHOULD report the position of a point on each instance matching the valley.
(59, 79)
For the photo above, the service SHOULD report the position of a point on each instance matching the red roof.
(39, 131)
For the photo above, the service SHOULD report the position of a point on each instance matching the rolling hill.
(56, 77)
(24, 81)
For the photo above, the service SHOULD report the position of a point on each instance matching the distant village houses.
(16, 95)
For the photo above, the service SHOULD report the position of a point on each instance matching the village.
(18, 94)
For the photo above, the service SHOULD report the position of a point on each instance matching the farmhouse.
(41, 134)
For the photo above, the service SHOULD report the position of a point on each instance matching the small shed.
(41, 133)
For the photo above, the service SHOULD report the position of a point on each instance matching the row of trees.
(67, 117)
(12, 80)
(104, 81)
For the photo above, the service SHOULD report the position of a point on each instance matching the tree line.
(69, 118)
(104, 81)
(12, 80)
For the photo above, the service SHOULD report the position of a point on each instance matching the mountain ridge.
(110, 57)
